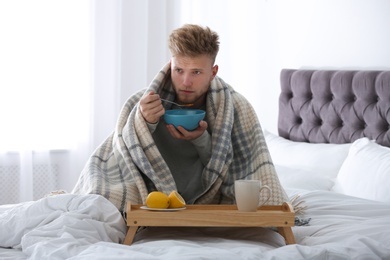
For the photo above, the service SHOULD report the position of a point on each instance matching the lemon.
(176, 200)
(157, 200)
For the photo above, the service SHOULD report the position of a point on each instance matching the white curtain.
(45, 95)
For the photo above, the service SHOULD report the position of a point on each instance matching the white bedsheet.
(59, 227)
(89, 227)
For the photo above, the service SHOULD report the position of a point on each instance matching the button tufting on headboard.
(323, 106)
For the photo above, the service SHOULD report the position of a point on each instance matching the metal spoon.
(184, 105)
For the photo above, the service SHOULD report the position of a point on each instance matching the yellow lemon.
(157, 200)
(176, 200)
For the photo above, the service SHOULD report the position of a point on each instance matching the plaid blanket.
(128, 165)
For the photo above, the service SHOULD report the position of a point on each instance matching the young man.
(146, 154)
(192, 70)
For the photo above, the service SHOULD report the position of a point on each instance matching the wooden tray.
(282, 217)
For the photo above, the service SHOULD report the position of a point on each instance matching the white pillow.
(366, 171)
(320, 159)
(291, 178)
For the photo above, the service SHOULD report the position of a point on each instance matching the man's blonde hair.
(193, 40)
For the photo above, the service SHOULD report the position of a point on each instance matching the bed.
(331, 155)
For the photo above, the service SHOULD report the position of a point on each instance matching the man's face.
(191, 77)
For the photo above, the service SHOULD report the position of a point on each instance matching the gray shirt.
(185, 159)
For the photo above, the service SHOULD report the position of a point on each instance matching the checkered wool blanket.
(127, 165)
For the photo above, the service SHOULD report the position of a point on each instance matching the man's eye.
(197, 72)
(179, 70)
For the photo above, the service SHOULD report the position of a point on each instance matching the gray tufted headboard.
(323, 106)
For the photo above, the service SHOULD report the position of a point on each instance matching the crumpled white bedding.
(89, 227)
(59, 227)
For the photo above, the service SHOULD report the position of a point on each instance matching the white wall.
(260, 37)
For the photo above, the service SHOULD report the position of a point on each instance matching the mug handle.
(269, 194)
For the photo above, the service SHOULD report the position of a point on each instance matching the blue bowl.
(187, 118)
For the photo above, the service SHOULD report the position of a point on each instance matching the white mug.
(247, 194)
